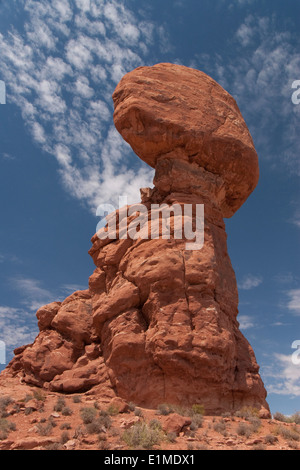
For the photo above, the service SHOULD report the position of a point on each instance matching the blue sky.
(60, 155)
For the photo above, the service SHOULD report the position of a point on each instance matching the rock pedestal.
(158, 323)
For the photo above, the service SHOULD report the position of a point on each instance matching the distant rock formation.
(158, 323)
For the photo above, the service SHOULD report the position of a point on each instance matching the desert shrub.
(66, 426)
(66, 411)
(255, 423)
(220, 427)
(193, 426)
(171, 436)
(244, 429)
(259, 446)
(4, 402)
(270, 439)
(99, 424)
(112, 410)
(281, 417)
(293, 445)
(103, 445)
(290, 434)
(131, 406)
(197, 422)
(65, 437)
(155, 424)
(198, 409)
(247, 412)
(54, 446)
(88, 414)
(141, 436)
(202, 447)
(76, 399)
(39, 395)
(60, 404)
(5, 427)
(138, 412)
(95, 427)
(27, 398)
(164, 409)
(296, 418)
(45, 429)
(52, 421)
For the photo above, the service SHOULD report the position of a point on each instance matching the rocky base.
(35, 419)
(159, 320)
(157, 324)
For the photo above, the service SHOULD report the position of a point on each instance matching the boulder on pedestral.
(173, 111)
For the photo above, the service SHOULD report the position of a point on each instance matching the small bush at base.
(164, 409)
(290, 434)
(5, 428)
(60, 404)
(220, 427)
(270, 439)
(141, 436)
(198, 409)
(88, 414)
(244, 429)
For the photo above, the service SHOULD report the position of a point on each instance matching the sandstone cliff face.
(159, 320)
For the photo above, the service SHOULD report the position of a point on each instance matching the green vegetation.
(142, 436)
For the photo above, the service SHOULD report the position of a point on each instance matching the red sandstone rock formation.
(159, 321)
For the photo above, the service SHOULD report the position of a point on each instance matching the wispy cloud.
(296, 218)
(17, 327)
(245, 322)
(61, 71)
(294, 301)
(259, 75)
(282, 376)
(70, 288)
(31, 292)
(249, 282)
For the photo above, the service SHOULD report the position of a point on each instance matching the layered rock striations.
(158, 323)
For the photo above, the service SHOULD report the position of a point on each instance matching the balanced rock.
(158, 323)
(175, 112)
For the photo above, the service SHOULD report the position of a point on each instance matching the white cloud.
(84, 5)
(249, 282)
(245, 322)
(283, 376)
(296, 218)
(63, 88)
(294, 303)
(260, 76)
(245, 32)
(70, 288)
(15, 327)
(38, 133)
(33, 295)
